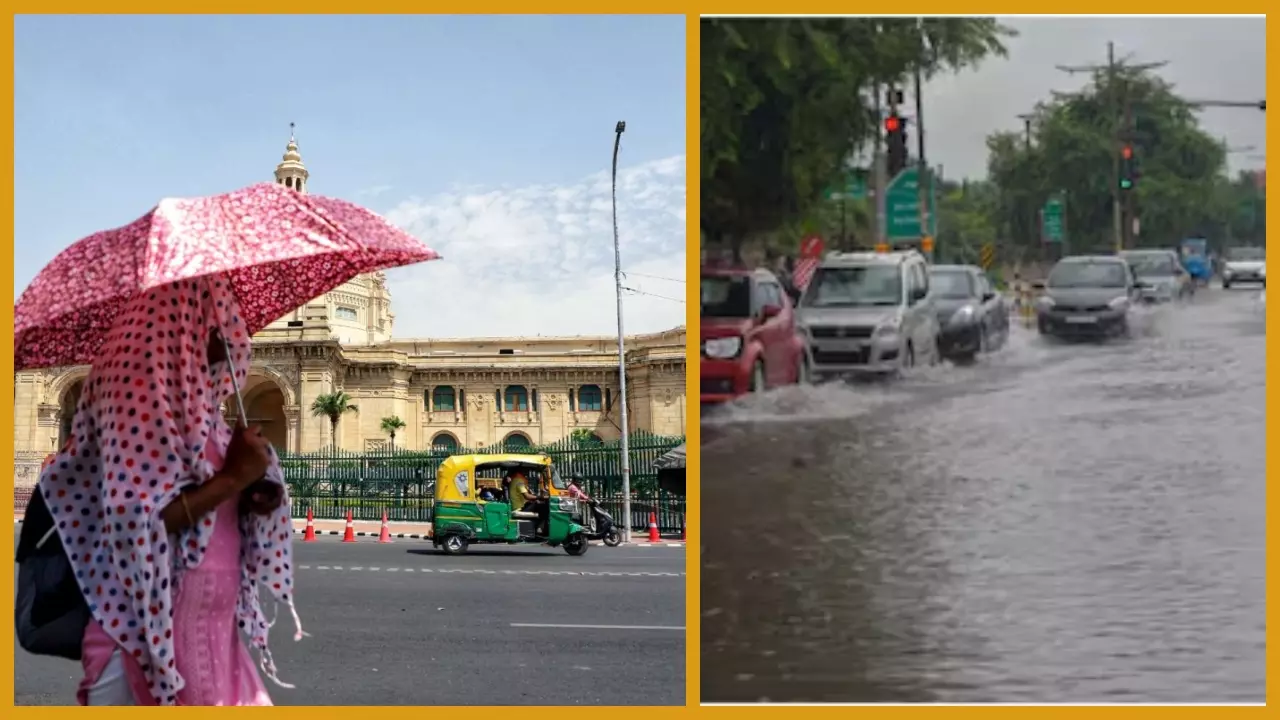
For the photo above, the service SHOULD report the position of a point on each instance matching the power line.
(652, 277)
(641, 292)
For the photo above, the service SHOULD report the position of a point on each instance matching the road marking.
(599, 627)
(483, 571)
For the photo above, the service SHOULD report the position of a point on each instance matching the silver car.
(1244, 264)
(869, 313)
(1161, 272)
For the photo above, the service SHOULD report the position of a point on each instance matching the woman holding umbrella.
(154, 511)
(175, 526)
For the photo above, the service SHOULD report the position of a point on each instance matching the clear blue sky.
(112, 113)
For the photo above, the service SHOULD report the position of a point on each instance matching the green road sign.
(902, 207)
(1052, 228)
(855, 187)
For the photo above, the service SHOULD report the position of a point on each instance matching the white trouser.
(112, 687)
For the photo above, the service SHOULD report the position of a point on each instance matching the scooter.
(602, 525)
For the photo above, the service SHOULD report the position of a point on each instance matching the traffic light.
(1128, 168)
(895, 133)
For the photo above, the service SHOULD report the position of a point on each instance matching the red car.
(749, 337)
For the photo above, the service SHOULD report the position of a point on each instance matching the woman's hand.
(247, 459)
(262, 498)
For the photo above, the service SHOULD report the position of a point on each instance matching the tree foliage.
(785, 101)
(1181, 189)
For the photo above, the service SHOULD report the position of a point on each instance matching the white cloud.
(538, 260)
(374, 191)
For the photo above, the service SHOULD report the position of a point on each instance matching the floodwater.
(1058, 523)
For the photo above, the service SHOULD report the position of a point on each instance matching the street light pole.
(622, 353)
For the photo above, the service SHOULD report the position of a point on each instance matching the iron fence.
(401, 483)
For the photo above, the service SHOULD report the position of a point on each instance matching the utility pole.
(1120, 113)
(622, 351)
(923, 185)
(878, 169)
(1035, 223)
(1026, 119)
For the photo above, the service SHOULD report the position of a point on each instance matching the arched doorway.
(264, 406)
(67, 411)
(516, 442)
(444, 443)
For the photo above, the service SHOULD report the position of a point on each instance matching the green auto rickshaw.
(473, 504)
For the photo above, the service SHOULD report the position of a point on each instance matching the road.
(1058, 523)
(400, 624)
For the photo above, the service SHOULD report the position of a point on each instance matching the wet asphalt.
(402, 624)
(1058, 523)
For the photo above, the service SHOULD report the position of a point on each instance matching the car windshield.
(1151, 264)
(854, 287)
(1088, 275)
(726, 297)
(1247, 254)
(951, 283)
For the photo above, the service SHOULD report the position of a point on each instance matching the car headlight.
(887, 332)
(1227, 270)
(963, 315)
(1044, 303)
(1120, 303)
(1262, 272)
(722, 348)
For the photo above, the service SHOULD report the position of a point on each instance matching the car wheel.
(1226, 284)
(454, 545)
(576, 545)
(757, 377)
(804, 373)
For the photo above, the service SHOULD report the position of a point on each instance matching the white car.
(1244, 264)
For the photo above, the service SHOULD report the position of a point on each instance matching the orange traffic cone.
(350, 534)
(310, 536)
(653, 528)
(384, 536)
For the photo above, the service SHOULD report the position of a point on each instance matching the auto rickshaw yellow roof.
(456, 475)
(457, 461)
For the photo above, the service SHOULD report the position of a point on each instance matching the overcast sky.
(1208, 59)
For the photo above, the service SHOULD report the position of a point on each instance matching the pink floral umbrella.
(277, 247)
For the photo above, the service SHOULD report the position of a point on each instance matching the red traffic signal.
(893, 123)
(1127, 152)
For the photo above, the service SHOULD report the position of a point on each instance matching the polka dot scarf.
(150, 406)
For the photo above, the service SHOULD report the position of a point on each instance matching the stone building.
(474, 392)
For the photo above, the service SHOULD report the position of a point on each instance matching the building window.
(515, 399)
(590, 399)
(516, 442)
(345, 313)
(444, 442)
(442, 399)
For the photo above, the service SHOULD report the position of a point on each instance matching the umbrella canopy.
(276, 247)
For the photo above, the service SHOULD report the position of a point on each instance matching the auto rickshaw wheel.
(576, 545)
(454, 545)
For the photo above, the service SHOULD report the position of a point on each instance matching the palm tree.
(390, 425)
(333, 406)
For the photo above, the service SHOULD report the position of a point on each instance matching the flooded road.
(1058, 523)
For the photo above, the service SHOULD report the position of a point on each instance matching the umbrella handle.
(235, 386)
